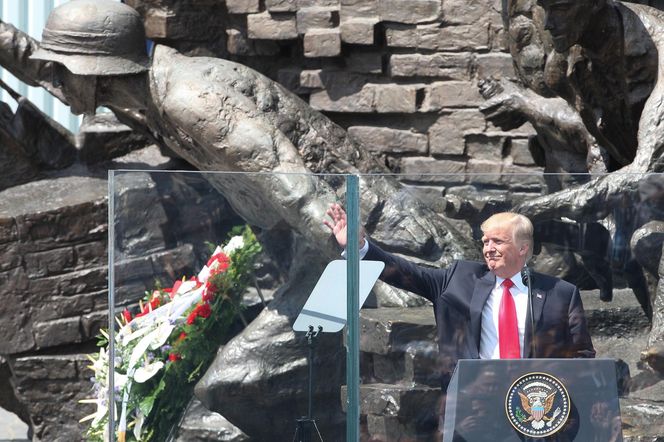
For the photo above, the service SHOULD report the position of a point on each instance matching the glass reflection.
(163, 222)
(608, 253)
(250, 373)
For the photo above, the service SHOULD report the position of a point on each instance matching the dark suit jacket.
(458, 294)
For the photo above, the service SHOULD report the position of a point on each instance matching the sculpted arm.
(557, 123)
(15, 50)
(595, 199)
(220, 129)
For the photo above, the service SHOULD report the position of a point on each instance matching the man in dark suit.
(482, 309)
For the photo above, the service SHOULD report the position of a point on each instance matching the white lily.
(99, 414)
(152, 340)
(99, 364)
(236, 242)
(140, 349)
(135, 335)
(161, 334)
(120, 380)
(138, 424)
(146, 372)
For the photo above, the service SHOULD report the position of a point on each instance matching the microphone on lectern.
(526, 278)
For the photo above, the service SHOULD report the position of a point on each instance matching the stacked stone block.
(400, 390)
(53, 269)
(401, 76)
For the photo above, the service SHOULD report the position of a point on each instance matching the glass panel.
(601, 234)
(210, 345)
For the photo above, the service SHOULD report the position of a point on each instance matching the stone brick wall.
(53, 279)
(400, 75)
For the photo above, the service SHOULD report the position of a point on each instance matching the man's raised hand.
(337, 224)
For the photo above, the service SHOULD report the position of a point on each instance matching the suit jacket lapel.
(539, 296)
(483, 287)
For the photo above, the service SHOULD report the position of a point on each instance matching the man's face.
(79, 90)
(566, 21)
(504, 256)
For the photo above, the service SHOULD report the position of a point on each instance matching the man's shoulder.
(475, 267)
(548, 282)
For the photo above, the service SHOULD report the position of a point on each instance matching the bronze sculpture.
(594, 70)
(223, 116)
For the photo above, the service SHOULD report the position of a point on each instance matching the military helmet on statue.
(95, 37)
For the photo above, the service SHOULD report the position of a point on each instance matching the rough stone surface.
(435, 38)
(102, 137)
(409, 11)
(322, 43)
(428, 55)
(31, 143)
(315, 18)
(447, 134)
(380, 139)
(389, 330)
(448, 66)
(50, 388)
(243, 6)
(358, 31)
(520, 153)
(436, 169)
(359, 8)
(448, 94)
(365, 62)
(266, 26)
(281, 5)
(201, 425)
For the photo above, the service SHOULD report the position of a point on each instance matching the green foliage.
(520, 415)
(190, 348)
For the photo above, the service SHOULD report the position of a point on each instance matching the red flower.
(174, 357)
(192, 316)
(208, 293)
(154, 303)
(126, 315)
(204, 310)
(223, 260)
(182, 336)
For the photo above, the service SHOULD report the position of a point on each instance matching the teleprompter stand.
(306, 425)
(325, 311)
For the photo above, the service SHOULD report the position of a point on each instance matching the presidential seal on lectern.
(537, 405)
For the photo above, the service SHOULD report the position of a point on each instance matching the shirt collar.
(516, 280)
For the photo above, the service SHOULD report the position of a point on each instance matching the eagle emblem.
(537, 405)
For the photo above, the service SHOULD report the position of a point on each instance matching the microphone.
(526, 279)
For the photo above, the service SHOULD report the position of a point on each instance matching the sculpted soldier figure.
(605, 59)
(601, 57)
(223, 116)
(216, 114)
(612, 53)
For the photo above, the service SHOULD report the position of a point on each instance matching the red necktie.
(508, 328)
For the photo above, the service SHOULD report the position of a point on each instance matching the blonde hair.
(522, 228)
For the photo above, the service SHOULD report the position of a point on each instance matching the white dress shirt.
(489, 348)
